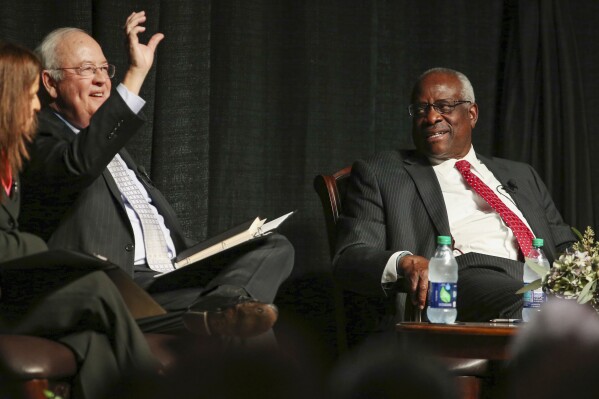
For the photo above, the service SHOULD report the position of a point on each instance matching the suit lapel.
(529, 210)
(139, 171)
(114, 190)
(11, 204)
(51, 122)
(162, 206)
(429, 190)
(111, 183)
(112, 187)
(500, 172)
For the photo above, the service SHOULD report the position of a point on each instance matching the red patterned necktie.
(520, 230)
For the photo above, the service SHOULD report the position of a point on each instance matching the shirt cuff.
(133, 101)
(390, 272)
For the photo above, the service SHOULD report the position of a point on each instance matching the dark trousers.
(256, 268)
(487, 287)
(88, 315)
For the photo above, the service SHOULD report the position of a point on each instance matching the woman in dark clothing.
(86, 313)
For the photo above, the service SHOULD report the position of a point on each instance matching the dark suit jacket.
(73, 201)
(14, 243)
(394, 202)
(87, 314)
(66, 185)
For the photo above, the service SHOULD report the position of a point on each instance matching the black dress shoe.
(241, 317)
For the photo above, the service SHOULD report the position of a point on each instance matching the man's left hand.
(415, 269)
(141, 56)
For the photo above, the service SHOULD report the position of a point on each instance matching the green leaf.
(538, 269)
(577, 233)
(444, 295)
(530, 286)
(587, 292)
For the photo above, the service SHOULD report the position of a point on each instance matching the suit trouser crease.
(487, 287)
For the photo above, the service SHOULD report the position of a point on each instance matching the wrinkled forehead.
(437, 86)
(78, 48)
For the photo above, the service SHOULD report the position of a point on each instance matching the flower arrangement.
(574, 274)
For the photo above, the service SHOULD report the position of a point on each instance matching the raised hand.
(141, 56)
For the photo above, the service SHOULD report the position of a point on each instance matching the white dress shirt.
(474, 225)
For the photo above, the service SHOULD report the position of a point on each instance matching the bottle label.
(534, 299)
(442, 295)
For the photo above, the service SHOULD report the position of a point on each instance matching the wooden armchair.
(331, 189)
(29, 365)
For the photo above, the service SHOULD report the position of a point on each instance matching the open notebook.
(245, 232)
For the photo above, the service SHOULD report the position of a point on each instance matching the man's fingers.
(133, 28)
(156, 38)
(422, 292)
(413, 281)
(423, 286)
(128, 20)
(133, 38)
(415, 271)
(424, 279)
(134, 20)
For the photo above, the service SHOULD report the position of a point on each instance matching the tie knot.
(462, 165)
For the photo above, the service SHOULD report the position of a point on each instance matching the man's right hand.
(141, 56)
(414, 269)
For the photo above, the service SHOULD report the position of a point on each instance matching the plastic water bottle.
(443, 284)
(534, 299)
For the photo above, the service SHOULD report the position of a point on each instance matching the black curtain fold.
(250, 99)
(175, 145)
(541, 117)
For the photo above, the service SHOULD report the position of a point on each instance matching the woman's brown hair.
(19, 69)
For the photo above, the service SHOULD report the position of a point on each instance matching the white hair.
(48, 54)
(467, 90)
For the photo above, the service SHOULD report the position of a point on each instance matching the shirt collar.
(70, 125)
(449, 164)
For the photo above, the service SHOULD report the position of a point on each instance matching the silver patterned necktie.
(154, 241)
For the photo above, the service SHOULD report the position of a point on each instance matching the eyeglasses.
(88, 70)
(442, 107)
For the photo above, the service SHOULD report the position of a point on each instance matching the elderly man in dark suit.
(83, 191)
(398, 202)
(84, 311)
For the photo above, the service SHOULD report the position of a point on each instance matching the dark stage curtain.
(250, 99)
(542, 119)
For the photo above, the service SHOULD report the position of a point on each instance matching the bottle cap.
(445, 240)
(537, 242)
